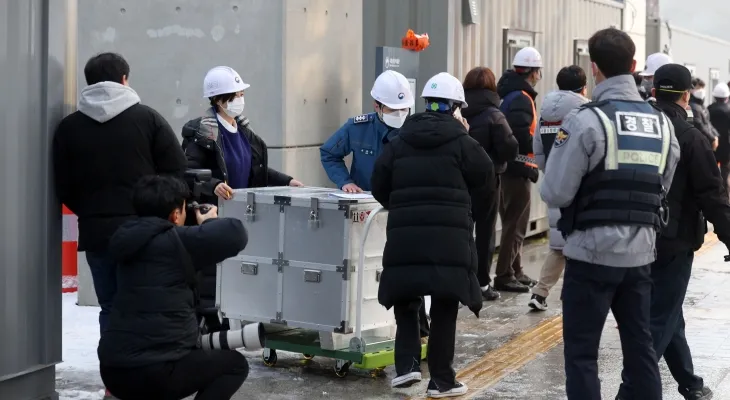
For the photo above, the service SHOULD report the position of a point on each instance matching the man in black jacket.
(720, 119)
(99, 153)
(700, 115)
(151, 348)
(696, 193)
(516, 88)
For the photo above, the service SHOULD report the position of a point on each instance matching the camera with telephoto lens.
(195, 179)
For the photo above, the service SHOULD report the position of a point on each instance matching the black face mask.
(647, 86)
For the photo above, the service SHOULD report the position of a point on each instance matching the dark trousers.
(213, 375)
(485, 221)
(104, 274)
(514, 208)
(670, 274)
(725, 172)
(589, 292)
(440, 343)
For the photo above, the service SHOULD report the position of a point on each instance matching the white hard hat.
(223, 80)
(528, 57)
(654, 62)
(445, 86)
(393, 90)
(721, 91)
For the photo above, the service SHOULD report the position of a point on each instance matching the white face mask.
(235, 107)
(395, 119)
(699, 93)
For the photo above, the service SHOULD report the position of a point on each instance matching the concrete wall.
(705, 55)
(32, 81)
(303, 59)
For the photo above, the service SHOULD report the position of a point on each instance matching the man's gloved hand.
(201, 215)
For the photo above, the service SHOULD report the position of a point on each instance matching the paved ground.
(510, 353)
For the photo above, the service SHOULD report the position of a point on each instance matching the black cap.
(673, 78)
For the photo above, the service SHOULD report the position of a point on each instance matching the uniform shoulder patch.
(561, 138)
(361, 118)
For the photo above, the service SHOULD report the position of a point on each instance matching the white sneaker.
(406, 380)
(458, 390)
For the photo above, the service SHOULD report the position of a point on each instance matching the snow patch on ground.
(77, 377)
(80, 395)
(80, 336)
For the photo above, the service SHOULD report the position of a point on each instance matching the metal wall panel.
(687, 47)
(32, 67)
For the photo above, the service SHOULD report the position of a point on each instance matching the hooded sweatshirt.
(556, 106)
(101, 151)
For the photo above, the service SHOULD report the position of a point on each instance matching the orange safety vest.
(529, 159)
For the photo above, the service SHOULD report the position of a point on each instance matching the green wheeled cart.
(374, 356)
(306, 277)
(364, 352)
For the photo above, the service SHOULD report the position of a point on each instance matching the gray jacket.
(555, 107)
(581, 152)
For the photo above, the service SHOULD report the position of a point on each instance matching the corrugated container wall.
(707, 57)
(33, 65)
(456, 47)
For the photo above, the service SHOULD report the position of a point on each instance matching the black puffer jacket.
(153, 317)
(720, 119)
(203, 150)
(424, 178)
(522, 118)
(701, 119)
(490, 128)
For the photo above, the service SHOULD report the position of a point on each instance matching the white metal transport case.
(300, 268)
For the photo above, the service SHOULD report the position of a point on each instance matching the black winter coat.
(701, 119)
(96, 166)
(522, 118)
(153, 318)
(424, 178)
(720, 119)
(203, 150)
(490, 128)
(697, 190)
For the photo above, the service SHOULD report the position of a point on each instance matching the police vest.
(548, 131)
(625, 188)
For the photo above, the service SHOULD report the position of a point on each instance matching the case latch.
(314, 213)
(312, 276)
(250, 207)
(249, 269)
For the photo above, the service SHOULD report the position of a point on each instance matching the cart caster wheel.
(308, 356)
(377, 372)
(342, 368)
(269, 357)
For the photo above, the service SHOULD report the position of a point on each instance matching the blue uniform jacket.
(364, 137)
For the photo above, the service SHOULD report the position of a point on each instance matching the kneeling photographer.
(152, 348)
